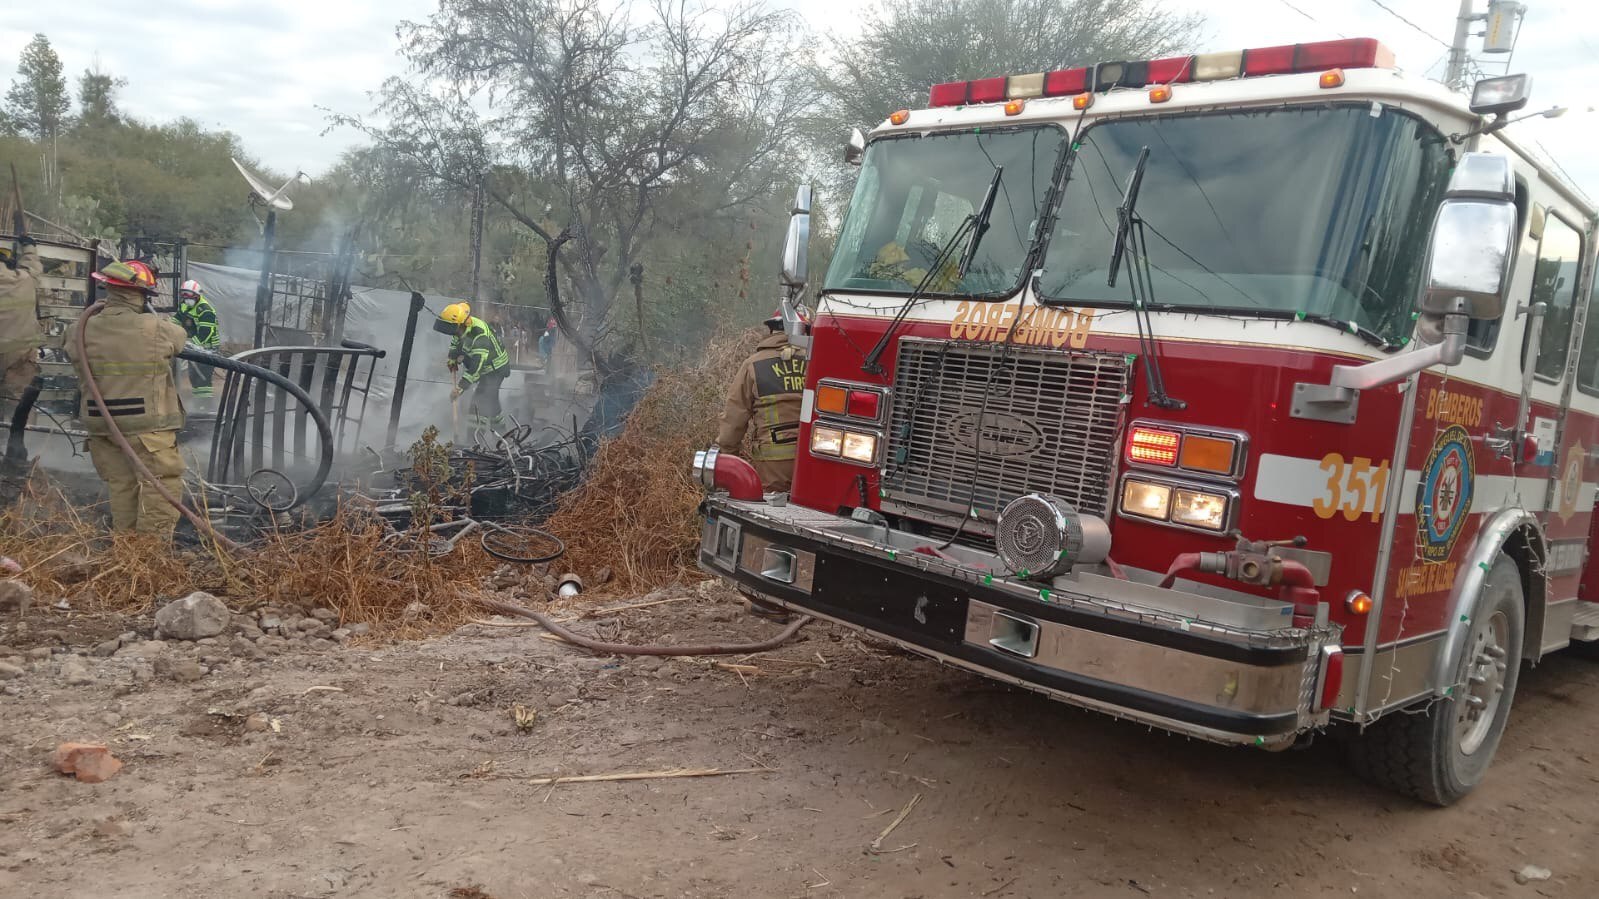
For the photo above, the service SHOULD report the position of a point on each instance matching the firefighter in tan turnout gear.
(767, 392)
(130, 352)
(20, 332)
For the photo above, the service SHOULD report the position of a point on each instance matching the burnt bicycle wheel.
(521, 543)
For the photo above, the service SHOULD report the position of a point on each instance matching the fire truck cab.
(1239, 394)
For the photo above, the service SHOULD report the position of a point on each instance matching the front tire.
(1438, 752)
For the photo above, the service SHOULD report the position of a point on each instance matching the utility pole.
(1458, 55)
(476, 239)
(1503, 29)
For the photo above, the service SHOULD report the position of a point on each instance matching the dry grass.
(64, 555)
(339, 564)
(636, 511)
(635, 514)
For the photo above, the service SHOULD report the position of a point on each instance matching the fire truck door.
(1568, 428)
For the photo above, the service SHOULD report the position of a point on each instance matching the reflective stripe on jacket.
(479, 351)
(131, 354)
(767, 391)
(199, 321)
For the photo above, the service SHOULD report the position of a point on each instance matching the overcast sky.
(265, 69)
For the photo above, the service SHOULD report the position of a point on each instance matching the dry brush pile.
(635, 514)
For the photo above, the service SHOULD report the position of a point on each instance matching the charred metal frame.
(260, 428)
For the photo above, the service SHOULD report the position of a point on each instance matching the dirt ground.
(296, 770)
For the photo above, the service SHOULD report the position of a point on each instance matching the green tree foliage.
(97, 98)
(37, 103)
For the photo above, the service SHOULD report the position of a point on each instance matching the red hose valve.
(718, 471)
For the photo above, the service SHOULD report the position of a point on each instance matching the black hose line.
(324, 432)
(15, 450)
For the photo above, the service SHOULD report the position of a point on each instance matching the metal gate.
(261, 426)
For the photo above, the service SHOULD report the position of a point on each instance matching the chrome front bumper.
(1214, 669)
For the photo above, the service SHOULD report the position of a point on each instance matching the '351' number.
(1354, 488)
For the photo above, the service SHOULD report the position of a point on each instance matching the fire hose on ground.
(628, 649)
(204, 358)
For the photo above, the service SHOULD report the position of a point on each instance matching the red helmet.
(776, 320)
(128, 273)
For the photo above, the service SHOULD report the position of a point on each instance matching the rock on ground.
(1533, 874)
(15, 596)
(194, 617)
(90, 762)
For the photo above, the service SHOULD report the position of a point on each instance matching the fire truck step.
(1585, 623)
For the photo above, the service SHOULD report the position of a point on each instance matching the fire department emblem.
(1447, 482)
(1571, 480)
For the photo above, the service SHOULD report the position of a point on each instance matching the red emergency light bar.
(1352, 53)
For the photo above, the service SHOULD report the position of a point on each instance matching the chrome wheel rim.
(1484, 688)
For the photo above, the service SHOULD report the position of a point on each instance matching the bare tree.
(574, 112)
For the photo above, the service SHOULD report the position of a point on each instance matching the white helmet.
(190, 288)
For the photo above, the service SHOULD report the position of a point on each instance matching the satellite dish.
(266, 196)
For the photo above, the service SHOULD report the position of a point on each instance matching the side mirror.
(1498, 96)
(855, 148)
(1473, 240)
(796, 248)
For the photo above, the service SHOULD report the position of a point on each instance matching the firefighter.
(130, 353)
(767, 390)
(199, 320)
(547, 341)
(477, 354)
(20, 332)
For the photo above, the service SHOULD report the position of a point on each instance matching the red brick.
(90, 762)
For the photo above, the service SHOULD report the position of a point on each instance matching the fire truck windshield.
(1321, 213)
(915, 191)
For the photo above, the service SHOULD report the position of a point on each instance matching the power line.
(1300, 11)
(1310, 17)
(1392, 12)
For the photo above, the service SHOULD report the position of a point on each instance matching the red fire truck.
(1239, 394)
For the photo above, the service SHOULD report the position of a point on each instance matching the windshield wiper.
(975, 226)
(980, 225)
(1130, 237)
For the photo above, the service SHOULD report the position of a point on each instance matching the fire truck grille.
(1052, 423)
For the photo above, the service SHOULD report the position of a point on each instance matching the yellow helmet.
(453, 318)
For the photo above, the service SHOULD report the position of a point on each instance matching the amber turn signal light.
(899, 117)
(1211, 454)
(1359, 602)
(832, 400)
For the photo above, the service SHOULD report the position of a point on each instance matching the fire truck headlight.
(1146, 500)
(860, 447)
(1199, 509)
(826, 441)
